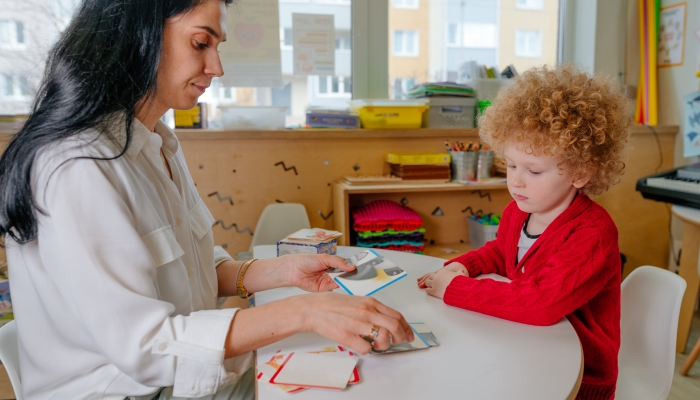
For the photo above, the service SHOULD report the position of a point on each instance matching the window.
(480, 36)
(528, 43)
(406, 43)
(529, 4)
(227, 94)
(286, 38)
(453, 34)
(401, 86)
(334, 86)
(412, 4)
(12, 34)
(15, 87)
(342, 41)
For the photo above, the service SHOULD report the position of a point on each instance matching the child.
(562, 134)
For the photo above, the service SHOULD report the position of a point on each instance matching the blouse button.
(162, 347)
(178, 222)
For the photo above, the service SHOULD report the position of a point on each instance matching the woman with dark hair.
(115, 276)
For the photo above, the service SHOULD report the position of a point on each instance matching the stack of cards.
(332, 367)
(313, 241)
(374, 272)
(329, 368)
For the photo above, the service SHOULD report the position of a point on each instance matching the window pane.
(24, 88)
(447, 34)
(8, 85)
(398, 42)
(5, 32)
(299, 91)
(348, 85)
(334, 87)
(20, 32)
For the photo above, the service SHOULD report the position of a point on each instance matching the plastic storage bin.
(253, 117)
(450, 112)
(479, 234)
(390, 114)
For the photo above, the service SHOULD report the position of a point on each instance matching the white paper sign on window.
(313, 36)
(251, 54)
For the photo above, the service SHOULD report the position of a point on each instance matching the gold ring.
(374, 331)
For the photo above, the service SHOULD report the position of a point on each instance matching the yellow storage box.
(390, 114)
(408, 159)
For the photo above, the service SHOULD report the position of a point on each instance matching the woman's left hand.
(308, 271)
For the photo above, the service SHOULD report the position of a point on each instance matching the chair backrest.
(9, 355)
(651, 301)
(277, 221)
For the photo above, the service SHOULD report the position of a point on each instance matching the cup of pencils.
(464, 161)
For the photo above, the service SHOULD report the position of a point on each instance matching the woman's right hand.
(347, 319)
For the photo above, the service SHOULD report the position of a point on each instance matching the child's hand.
(436, 282)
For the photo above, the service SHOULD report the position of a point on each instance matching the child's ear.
(582, 180)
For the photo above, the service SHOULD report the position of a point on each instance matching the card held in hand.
(373, 272)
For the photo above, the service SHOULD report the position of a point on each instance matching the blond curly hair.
(564, 113)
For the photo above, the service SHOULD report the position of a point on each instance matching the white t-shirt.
(525, 242)
(118, 294)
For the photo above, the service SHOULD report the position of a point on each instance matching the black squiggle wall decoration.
(487, 195)
(221, 198)
(471, 210)
(234, 225)
(325, 217)
(285, 167)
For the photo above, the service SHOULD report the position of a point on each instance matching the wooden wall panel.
(643, 225)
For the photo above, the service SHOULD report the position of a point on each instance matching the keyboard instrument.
(668, 187)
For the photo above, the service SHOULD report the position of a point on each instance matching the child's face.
(536, 183)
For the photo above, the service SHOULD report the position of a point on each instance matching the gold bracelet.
(242, 292)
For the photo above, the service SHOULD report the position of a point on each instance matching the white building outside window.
(480, 36)
(13, 35)
(334, 86)
(406, 43)
(528, 43)
(411, 4)
(453, 34)
(529, 4)
(15, 87)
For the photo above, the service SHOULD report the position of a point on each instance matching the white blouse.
(117, 296)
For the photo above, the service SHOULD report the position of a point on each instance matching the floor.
(684, 387)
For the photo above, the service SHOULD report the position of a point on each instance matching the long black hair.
(104, 63)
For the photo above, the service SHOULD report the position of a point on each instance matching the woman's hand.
(305, 271)
(436, 282)
(308, 271)
(347, 319)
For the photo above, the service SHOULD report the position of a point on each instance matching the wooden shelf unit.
(345, 196)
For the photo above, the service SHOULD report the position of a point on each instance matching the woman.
(114, 273)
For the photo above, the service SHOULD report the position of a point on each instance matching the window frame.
(16, 45)
(405, 4)
(329, 82)
(528, 54)
(404, 53)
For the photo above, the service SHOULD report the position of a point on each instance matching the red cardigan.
(572, 270)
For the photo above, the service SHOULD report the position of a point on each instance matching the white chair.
(277, 221)
(651, 302)
(9, 355)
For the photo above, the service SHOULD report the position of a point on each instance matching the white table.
(479, 357)
(689, 270)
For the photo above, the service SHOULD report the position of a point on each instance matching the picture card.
(314, 234)
(315, 370)
(357, 259)
(417, 344)
(425, 332)
(267, 370)
(372, 274)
